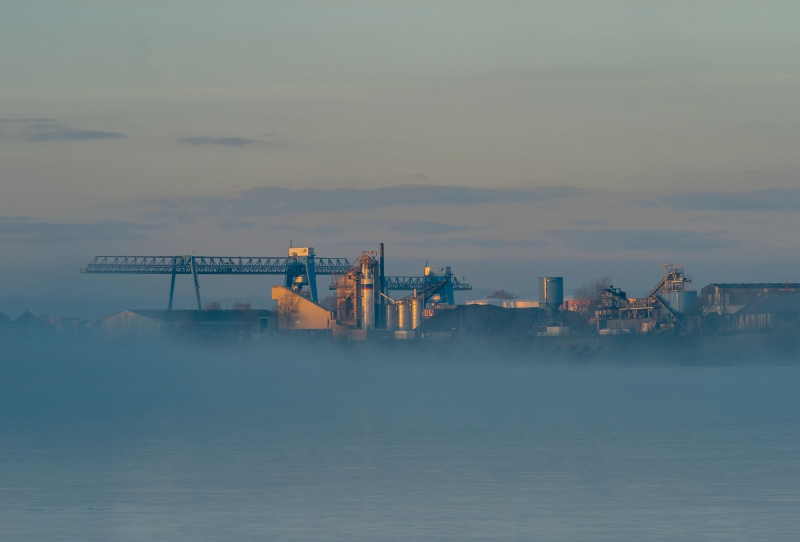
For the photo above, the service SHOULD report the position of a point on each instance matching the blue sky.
(596, 134)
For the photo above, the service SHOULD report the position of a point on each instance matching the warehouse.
(770, 311)
(723, 298)
(207, 324)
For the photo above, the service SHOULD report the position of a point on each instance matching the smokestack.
(382, 283)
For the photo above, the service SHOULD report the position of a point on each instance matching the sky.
(509, 140)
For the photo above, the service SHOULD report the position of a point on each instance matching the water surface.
(133, 442)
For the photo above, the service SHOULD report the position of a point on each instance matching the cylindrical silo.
(403, 319)
(681, 300)
(368, 302)
(551, 294)
(391, 316)
(416, 311)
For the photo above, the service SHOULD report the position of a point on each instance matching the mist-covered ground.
(292, 441)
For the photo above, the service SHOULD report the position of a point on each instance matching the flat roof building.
(771, 310)
(729, 298)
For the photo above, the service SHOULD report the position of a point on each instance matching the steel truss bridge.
(300, 270)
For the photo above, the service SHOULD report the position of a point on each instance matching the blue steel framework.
(449, 284)
(298, 270)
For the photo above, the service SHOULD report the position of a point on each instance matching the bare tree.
(213, 306)
(329, 302)
(288, 309)
(591, 292)
(241, 306)
(501, 294)
(588, 295)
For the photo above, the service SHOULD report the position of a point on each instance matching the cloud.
(237, 225)
(219, 141)
(249, 225)
(480, 242)
(574, 73)
(419, 227)
(27, 120)
(273, 200)
(403, 227)
(639, 240)
(44, 129)
(405, 195)
(767, 199)
(587, 223)
(29, 230)
(63, 134)
(317, 231)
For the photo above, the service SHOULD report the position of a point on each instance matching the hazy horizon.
(508, 140)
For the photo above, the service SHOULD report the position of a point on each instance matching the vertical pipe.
(381, 315)
(171, 288)
(196, 284)
(383, 281)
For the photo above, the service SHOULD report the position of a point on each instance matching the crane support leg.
(196, 284)
(311, 277)
(171, 291)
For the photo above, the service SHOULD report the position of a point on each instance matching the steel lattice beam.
(211, 265)
(298, 270)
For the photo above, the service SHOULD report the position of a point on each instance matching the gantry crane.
(300, 269)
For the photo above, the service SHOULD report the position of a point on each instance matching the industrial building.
(361, 289)
(490, 321)
(365, 303)
(726, 299)
(667, 306)
(205, 324)
(27, 322)
(516, 303)
(522, 303)
(770, 310)
(64, 323)
(297, 312)
(488, 301)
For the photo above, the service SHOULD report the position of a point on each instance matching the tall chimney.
(382, 284)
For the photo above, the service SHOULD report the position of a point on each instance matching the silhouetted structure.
(727, 299)
(771, 310)
(216, 324)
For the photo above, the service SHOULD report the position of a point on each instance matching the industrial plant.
(366, 303)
